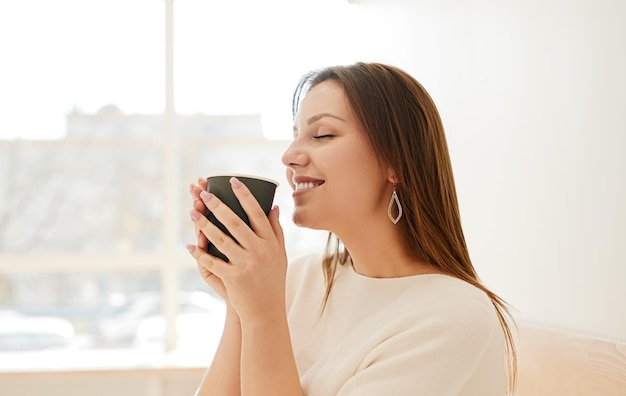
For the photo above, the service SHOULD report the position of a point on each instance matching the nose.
(293, 155)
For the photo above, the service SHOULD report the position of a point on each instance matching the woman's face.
(338, 182)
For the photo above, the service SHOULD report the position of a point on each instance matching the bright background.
(531, 94)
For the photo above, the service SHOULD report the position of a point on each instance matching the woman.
(394, 306)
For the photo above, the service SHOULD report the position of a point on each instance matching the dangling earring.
(394, 199)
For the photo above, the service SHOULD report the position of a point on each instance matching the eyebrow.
(318, 117)
(322, 115)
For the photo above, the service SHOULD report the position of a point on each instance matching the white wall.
(533, 97)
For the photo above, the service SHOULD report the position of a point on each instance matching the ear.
(391, 176)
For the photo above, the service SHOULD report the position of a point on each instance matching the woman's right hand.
(211, 279)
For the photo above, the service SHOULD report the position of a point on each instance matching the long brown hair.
(406, 132)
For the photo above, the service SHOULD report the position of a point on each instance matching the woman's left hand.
(254, 277)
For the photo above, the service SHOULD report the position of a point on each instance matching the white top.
(422, 335)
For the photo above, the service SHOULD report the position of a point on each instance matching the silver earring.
(394, 199)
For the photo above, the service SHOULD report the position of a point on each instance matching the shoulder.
(451, 314)
(441, 336)
(304, 264)
(304, 277)
(456, 296)
(303, 269)
(455, 306)
(444, 325)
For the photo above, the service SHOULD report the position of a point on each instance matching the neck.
(382, 254)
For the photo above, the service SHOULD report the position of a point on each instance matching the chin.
(302, 220)
(298, 220)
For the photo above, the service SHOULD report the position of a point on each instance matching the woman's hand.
(203, 244)
(254, 279)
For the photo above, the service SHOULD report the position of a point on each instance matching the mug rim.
(246, 175)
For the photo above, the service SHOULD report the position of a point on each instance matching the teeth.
(304, 186)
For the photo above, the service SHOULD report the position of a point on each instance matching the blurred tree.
(77, 196)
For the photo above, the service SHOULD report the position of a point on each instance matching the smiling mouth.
(308, 185)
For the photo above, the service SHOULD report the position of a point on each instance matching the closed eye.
(323, 136)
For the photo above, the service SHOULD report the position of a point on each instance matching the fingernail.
(191, 248)
(191, 187)
(206, 196)
(195, 215)
(235, 182)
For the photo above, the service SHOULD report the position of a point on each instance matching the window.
(98, 146)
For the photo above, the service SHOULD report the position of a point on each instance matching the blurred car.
(30, 333)
(118, 327)
(197, 333)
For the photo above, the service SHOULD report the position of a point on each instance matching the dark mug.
(263, 189)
